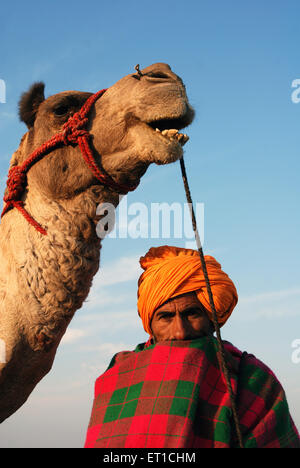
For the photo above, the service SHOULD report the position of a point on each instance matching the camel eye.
(61, 110)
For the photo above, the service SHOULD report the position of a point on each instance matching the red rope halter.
(74, 133)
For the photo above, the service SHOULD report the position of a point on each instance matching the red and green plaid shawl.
(172, 394)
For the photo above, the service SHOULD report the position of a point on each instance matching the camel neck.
(54, 273)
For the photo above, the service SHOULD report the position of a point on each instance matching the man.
(170, 391)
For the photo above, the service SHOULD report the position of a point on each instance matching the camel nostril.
(157, 75)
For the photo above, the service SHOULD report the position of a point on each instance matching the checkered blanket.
(172, 394)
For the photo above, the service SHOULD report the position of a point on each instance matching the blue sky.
(238, 61)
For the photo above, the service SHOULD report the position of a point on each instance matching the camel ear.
(29, 103)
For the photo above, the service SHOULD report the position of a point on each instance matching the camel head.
(133, 124)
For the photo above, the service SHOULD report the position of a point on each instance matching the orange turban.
(172, 271)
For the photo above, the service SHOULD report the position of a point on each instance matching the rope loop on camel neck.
(16, 183)
(73, 133)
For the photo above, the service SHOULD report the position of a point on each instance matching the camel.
(45, 277)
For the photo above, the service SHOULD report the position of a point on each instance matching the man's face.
(181, 318)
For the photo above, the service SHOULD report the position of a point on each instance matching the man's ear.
(30, 102)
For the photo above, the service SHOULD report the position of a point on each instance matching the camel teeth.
(173, 134)
(170, 133)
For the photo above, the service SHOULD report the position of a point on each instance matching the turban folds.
(172, 271)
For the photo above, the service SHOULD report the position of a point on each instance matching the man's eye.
(166, 316)
(193, 312)
(61, 110)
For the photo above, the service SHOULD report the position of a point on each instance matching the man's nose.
(179, 329)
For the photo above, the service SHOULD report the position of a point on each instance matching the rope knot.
(16, 182)
(73, 129)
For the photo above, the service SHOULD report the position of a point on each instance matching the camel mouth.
(169, 128)
(166, 124)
